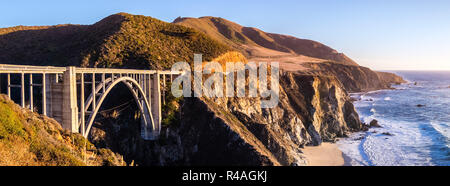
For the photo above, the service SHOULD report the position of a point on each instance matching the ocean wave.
(443, 129)
(376, 148)
(421, 136)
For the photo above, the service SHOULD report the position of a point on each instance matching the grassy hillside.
(27, 138)
(120, 40)
(255, 42)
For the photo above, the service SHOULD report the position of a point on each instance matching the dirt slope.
(263, 46)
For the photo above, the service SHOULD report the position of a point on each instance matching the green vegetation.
(171, 110)
(27, 138)
(9, 122)
(151, 43)
(120, 40)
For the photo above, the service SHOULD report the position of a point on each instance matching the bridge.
(73, 96)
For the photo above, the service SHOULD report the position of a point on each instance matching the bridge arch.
(148, 127)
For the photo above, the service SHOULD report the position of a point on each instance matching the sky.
(380, 34)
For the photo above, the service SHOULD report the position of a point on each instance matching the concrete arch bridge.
(73, 96)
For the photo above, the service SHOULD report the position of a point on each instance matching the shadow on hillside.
(60, 45)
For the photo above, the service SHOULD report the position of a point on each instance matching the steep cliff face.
(355, 78)
(206, 135)
(237, 131)
(213, 136)
(311, 109)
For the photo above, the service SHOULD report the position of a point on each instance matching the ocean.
(416, 114)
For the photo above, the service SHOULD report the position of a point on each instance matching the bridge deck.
(6, 68)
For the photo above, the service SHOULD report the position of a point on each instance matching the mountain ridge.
(256, 43)
(119, 40)
(293, 54)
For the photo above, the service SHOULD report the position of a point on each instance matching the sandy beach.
(327, 154)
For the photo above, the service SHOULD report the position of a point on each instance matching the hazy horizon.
(382, 35)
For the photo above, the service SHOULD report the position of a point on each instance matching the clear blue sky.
(380, 34)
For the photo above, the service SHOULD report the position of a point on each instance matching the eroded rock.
(374, 123)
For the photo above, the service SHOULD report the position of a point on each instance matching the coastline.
(380, 146)
(327, 154)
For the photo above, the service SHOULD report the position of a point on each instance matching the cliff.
(27, 138)
(354, 78)
(237, 131)
(311, 109)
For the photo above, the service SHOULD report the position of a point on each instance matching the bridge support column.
(156, 100)
(70, 108)
(53, 92)
(8, 85)
(44, 95)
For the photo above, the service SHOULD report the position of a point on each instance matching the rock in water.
(365, 127)
(387, 134)
(420, 105)
(374, 123)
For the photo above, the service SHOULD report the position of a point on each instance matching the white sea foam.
(404, 148)
(443, 129)
(420, 136)
(350, 147)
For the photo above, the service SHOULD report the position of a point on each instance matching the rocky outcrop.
(207, 135)
(374, 123)
(211, 135)
(237, 131)
(355, 78)
(311, 109)
(390, 78)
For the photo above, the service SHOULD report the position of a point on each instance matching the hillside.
(293, 54)
(27, 138)
(120, 40)
(262, 46)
